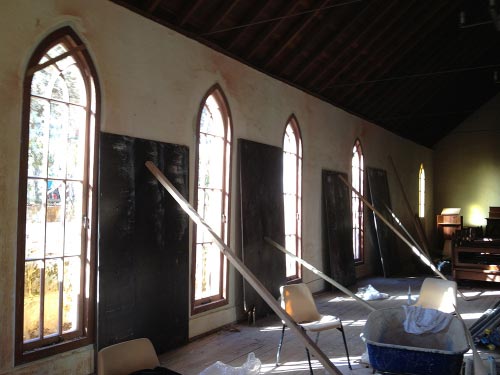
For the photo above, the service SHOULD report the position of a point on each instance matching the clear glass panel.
(57, 50)
(290, 244)
(289, 173)
(60, 90)
(290, 213)
(75, 157)
(207, 270)
(71, 293)
(42, 81)
(211, 121)
(75, 85)
(57, 140)
(64, 63)
(74, 214)
(211, 159)
(32, 288)
(290, 141)
(210, 208)
(35, 218)
(38, 138)
(56, 194)
(51, 306)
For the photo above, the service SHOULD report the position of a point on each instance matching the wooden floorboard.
(232, 344)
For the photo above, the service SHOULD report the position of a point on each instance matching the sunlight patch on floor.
(354, 323)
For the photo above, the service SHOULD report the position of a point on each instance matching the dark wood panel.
(143, 255)
(380, 199)
(262, 214)
(338, 225)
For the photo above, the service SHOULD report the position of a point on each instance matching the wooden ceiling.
(415, 67)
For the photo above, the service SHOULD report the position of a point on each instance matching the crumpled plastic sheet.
(369, 293)
(250, 367)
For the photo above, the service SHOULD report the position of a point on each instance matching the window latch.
(85, 222)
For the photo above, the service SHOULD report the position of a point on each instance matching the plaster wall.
(468, 161)
(152, 80)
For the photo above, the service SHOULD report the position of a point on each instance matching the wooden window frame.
(358, 150)
(25, 353)
(212, 302)
(294, 124)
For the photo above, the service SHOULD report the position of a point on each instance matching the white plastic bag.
(250, 367)
(369, 293)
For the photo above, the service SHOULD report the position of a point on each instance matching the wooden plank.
(338, 223)
(320, 274)
(416, 220)
(143, 253)
(244, 271)
(262, 214)
(380, 199)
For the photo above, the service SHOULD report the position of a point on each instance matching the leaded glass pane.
(53, 280)
(38, 138)
(73, 218)
(75, 85)
(71, 296)
(57, 140)
(35, 218)
(32, 289)
(56, 197)
(75, 155)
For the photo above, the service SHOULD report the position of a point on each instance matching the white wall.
(152, 81)
(468, 161)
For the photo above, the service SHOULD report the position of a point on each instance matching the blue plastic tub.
(392, 350)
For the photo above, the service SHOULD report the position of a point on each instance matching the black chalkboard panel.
(381, 199)
(262, 214)
(143, 253)
(338, 225)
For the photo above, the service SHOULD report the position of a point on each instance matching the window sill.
(51, 350)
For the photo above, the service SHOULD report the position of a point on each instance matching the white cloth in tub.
(421, 320)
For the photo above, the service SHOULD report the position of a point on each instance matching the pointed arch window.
(356, 203)
(212, 197)
(421, 191)
(57, 196)
(292, 195)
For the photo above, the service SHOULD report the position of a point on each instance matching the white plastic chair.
(298, 302)
(126, 357)
(438, 294)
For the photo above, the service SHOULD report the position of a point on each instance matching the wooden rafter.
(295, 33)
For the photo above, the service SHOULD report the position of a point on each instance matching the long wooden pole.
(417, 224)
(319, 273)
(416, 251)
(244, 271)
(420, 255)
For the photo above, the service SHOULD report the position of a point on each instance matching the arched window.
(57, 194)
(357, 204)
(212, 200)
(421, 191)
(292, 195)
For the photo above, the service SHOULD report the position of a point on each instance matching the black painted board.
(262, 214)
(380, 199)
(143, 252)
(338, 226)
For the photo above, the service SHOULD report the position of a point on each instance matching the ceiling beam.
(193, 7)
(395, 49)
(261, 40)
(228, 8)
(371, 34)
(254, 15)
(295, 33)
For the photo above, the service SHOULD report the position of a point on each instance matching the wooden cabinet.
(479, 262)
